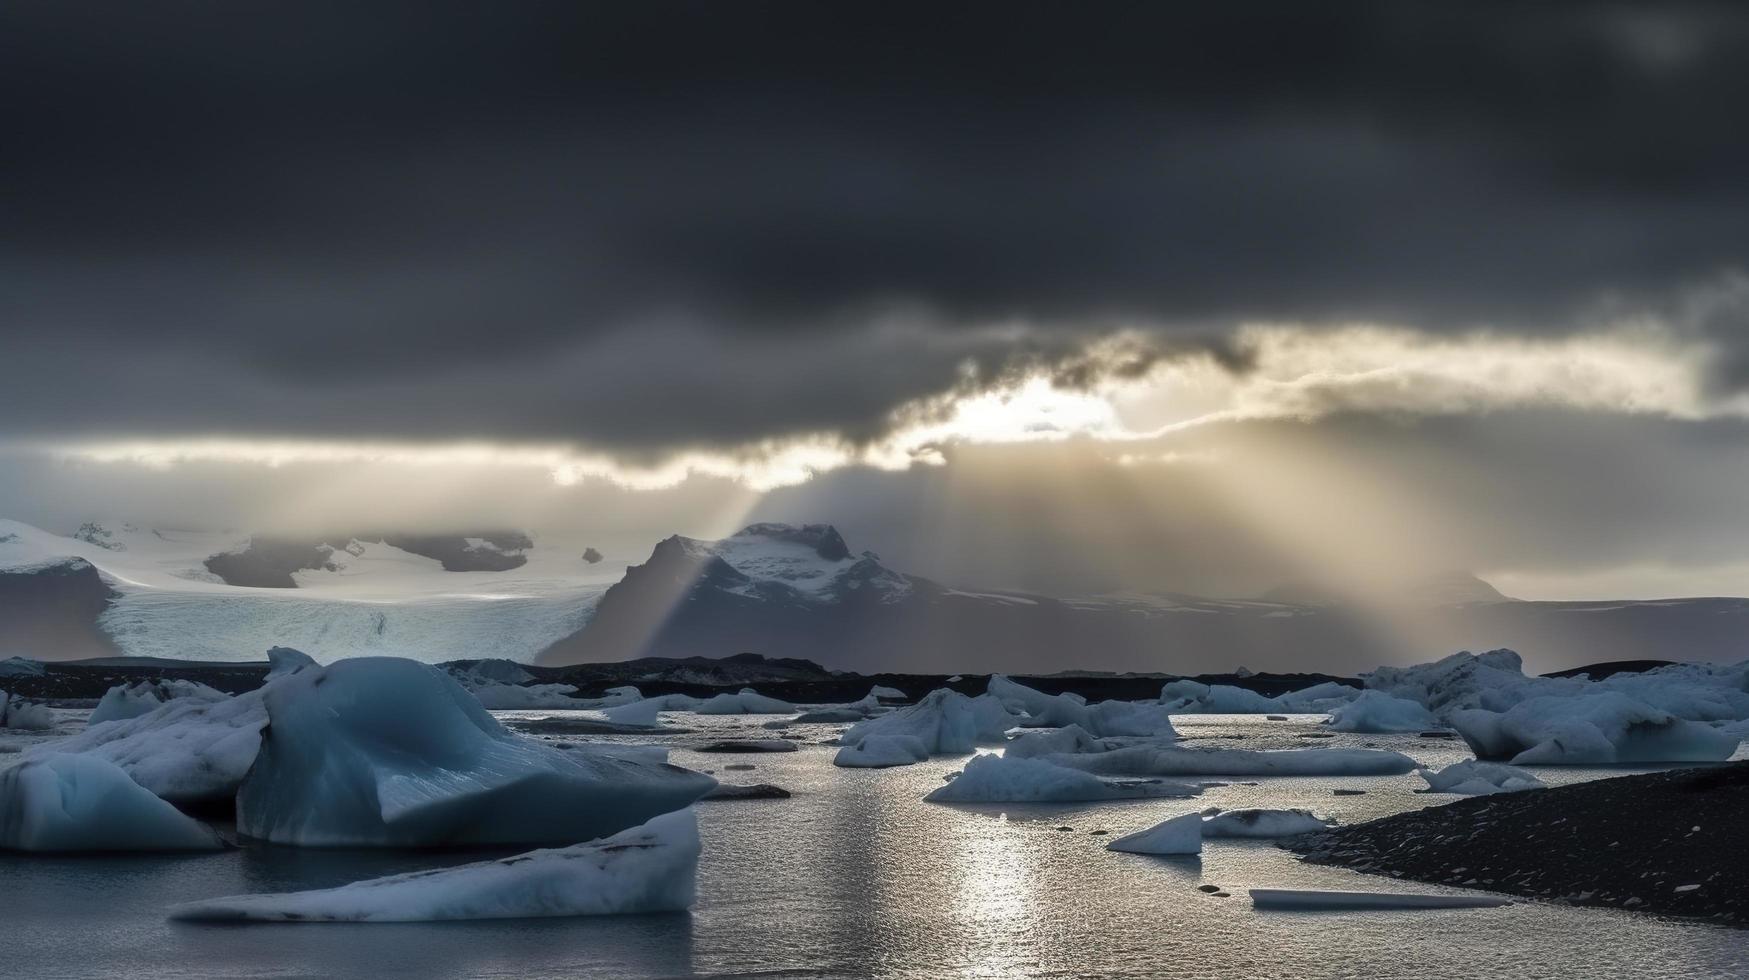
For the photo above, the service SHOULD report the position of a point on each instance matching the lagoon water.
(855, 876)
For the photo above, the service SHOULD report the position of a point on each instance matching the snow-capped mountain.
(773, 589)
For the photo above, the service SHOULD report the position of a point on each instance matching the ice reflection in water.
(856, 876)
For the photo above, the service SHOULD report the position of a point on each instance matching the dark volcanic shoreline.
(1667, 842)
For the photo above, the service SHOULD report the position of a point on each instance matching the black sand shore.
(1670, 843)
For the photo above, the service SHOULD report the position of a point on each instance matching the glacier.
(648, 868)
(388, 752)
(60, 802)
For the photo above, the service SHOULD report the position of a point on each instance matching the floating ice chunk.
(649, 868)
(15, 712)
(868, 707)
(1315, 900)
(995, 779)
(1195, 697)
(1589, 729)
(513, 697)
(285, 660)
(881, 752)
(379, 751)
(1475, 778)
(1173, 760)
(1319, 697)
(133, 700)
(1040, 742)
(647, 712)
(1119, 718)
(747, 702)
(1264, 823)
(60, 802)
(21, 667)
(1042, 710)
(494, 671)
(891, 693)
(1378, 712)
(1179, 835)
(185, 751)
(944, 721)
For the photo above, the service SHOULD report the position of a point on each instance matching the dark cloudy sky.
(1385, 250)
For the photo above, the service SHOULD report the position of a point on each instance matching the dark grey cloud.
(654, 224)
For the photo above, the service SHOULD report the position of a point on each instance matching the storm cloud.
(651, 226)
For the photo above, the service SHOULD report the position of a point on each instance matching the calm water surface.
(856, 876)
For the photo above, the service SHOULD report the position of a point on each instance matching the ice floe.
(746, 702)
(1195, 697)
(1377, 712)
(1252, 822)
(995, 779)
(943, 721)
(185, 751)
(1179, 835)
(648, 868)
(882, 752)
(1035, 743)
(133, 700)
(60, 802)
(15, 712)
(388, 752)
(1477, 778)
(1589, 729)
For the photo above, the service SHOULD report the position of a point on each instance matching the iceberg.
(1600, 728)
(532, 697)
(285, 660)
(868, 707)
(995, 779)
(15, 712)
(1171, 760)
(492, 671)
(1039, 742)
(1376, 712)
(1105, 719)
(891, 693)
(1319, 698)
(1195, 697)
(1264, 823)
(386, 752)
(943, 721)
(1476, 778)
(186, 751)
(747, 702)
(649, 868)
(60, 802)
(1109, 719)
(126, 701)
(1179, 835)
(881, 752)
(1041, 710)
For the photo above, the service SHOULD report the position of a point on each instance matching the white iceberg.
(15, 712)
(186, 751)
(881, 752)
(868, 707)
(1319, 698)
(1179, 835)
(1038, 742)
(891, 693)
(943, 721)
(387, 752)
(1601, 728)
(1264, 823)
(492, 671)
(1105, 719)
(1171, 760)
(60, 802)
(126, 701)
(531, 697)
(995, 779)
(1195, 697)
(746, 702)
(1375, 712)
(1109, 719)
(649, 868)
(285, 660)
(1040, 710)
(1477, 778)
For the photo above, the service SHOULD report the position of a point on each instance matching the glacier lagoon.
(856, 876)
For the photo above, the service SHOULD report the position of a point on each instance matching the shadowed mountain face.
(53, 610)
(270, 563)
(783, 591)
